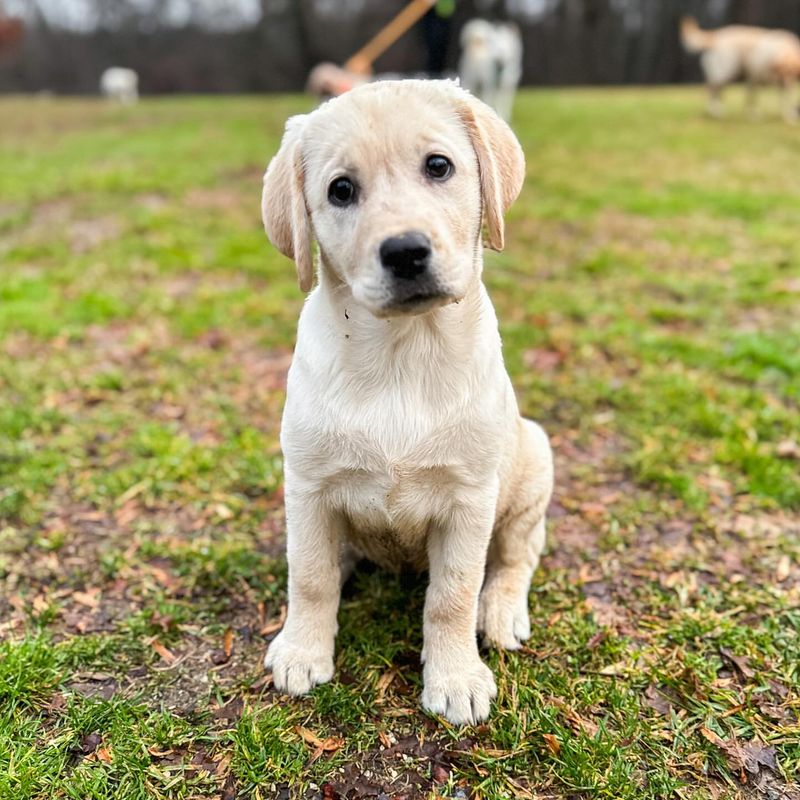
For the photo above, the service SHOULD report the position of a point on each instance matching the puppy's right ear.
(283, 203)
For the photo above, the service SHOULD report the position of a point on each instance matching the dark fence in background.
(566, 42)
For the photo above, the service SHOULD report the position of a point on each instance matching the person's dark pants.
(436, 31)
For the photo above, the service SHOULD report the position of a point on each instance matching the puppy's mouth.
(406, 297)
(417, 303)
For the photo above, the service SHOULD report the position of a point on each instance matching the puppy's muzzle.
(406, 256)
(413, 283)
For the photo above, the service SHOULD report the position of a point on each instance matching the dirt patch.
(414, 767)
(88, 234)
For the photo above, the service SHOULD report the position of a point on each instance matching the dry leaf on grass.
(227, 642)
(166, 655)
(384, 682)
(223, 765)
(654, 699)
(220, 657)
(440, 773)
(741, 663)
(385, 740)
(90, 598)
(743, 757)
(274, 625)
(577, 722)
(329, 745)
(100, 753)
(553, 745)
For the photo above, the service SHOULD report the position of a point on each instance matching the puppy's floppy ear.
(501, 163)
(283, 204)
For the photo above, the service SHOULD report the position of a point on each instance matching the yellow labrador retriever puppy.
(401, 434)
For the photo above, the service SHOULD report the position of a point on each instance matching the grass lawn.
(648, 299)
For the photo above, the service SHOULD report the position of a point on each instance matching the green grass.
(647, 300)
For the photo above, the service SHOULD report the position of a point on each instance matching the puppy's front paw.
(503, 618)
(463, 694)
(297, 668)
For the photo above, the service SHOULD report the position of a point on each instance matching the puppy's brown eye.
(342, 192)
(438, 168)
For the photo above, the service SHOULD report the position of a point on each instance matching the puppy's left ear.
(283, 203)
(501, 163)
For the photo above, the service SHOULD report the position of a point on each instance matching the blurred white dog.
(120, 85)
(741, 51)
(491, 63)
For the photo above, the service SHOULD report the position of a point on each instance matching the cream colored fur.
(739, 51)
(120, 85)
(401, 434)
(491, 63)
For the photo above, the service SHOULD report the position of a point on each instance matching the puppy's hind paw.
(503, 620)
(297, 669)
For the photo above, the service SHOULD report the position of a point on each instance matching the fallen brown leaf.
(166, 655)
(385, 740)
(104, 754)
(40, 603)
(90, 598)
(274, 625)
(747, 757)
(329, 745)
(384, 682)
(440, 773)
(223, 765)
(741, 663)
(127, 513)
(553, 745)
(712, 737)
(657, 701)
(227, 642)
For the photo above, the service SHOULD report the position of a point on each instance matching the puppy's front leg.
(457, 684)
(301, 655)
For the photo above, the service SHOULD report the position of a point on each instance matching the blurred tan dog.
(738, 51)
(401, 434)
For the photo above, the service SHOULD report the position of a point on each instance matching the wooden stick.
(361, 62)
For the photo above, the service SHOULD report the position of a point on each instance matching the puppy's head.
(395, 181)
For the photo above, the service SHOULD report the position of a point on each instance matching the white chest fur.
(394, 423)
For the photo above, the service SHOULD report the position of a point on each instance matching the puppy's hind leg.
(517, 542)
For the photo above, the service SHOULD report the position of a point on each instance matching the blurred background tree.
(270, 45)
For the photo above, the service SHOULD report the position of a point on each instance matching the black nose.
(406, 255)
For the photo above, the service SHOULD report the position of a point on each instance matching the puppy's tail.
(693, 38)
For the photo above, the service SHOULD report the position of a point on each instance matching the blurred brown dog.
(758, 55)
